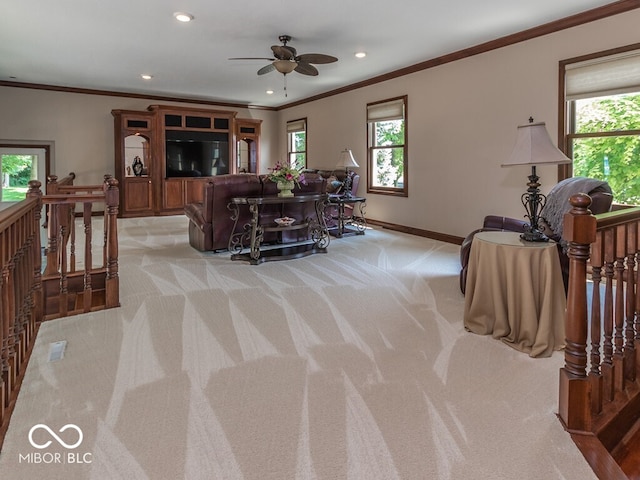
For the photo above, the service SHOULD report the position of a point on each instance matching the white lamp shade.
(534, 147)
(346, 159)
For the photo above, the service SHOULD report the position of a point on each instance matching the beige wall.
(462, 123)
(462, 120)
(81, 127)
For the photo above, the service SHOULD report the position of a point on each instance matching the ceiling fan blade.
(306, 69)
(266, 69)
(317, 58)
(252, 58)
(283, 52)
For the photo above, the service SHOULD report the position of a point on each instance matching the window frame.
(293, 127)
(371, 148)
(566, 108)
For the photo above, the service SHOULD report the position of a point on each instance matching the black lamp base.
(347, 184)
(533, 202)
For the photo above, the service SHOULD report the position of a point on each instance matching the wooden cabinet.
(134, 161)
(194, 190)
(194, 144)
(172, 194)
(138, 195)
(166, 154)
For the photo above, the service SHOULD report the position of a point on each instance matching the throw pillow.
(333, 184)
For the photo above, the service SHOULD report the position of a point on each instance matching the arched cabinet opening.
(248, 145)
(247, 161)
(134, 149)
(136, 155)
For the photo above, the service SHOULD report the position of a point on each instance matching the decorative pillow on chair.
(333, 185)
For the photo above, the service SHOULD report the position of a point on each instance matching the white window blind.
(296, 126)
(611, 75)
(382, 112)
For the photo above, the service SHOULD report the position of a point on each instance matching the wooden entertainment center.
(165, 155)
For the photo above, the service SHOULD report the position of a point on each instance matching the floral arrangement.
(285, 172)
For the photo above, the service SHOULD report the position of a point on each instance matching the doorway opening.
(18, 165)
(17, 171)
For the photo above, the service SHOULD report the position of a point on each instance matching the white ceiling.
(107, 45)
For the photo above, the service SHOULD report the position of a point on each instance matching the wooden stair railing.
(67, 287)
(599, 402)
(21, 298)
(53, 183)
(52, 188)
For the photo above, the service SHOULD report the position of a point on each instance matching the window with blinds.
(387, 147)
(602, 98)
(297, 143)
(603, 76)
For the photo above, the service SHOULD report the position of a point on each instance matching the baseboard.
(443, 237)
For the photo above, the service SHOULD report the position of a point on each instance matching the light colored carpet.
(349, 365)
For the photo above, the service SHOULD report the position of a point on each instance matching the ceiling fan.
(287, 60)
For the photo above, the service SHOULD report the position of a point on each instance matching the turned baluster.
(111, 212)
(88, 259)
(629, 350)
(618, 313)
(595, 373)
(36, 252)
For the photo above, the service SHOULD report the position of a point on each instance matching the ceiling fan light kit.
(287, 60)
(285, 66)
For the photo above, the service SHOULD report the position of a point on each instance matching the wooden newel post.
(52, 184)
(111, 198)
(36, 315)
(574, 402)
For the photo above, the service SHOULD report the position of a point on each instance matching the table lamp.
(346, 160)
(534, 147)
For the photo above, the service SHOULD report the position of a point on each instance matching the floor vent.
(56, 350)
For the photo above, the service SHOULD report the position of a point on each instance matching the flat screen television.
(196, 154)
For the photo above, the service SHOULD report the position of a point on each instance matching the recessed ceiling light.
(269, 92)
(146, 76)
(361, 54)
(183, 17)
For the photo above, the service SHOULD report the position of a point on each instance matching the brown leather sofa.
(335, 179)
(601, 201)
(210, 222)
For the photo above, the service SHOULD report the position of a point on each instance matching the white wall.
(462, 120)
(81, 127)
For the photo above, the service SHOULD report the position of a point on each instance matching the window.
(602, 97)
(387, 147)
(297, 143)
